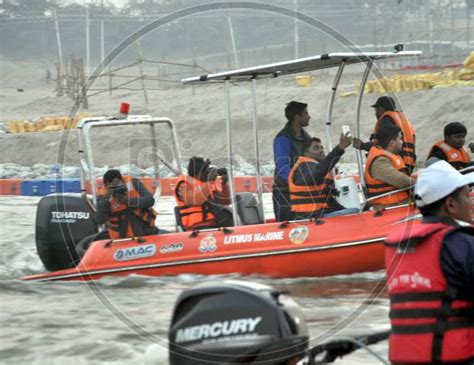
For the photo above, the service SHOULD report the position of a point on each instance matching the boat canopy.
(299, 65)
(272, 70)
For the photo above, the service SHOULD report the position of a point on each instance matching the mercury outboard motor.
(62, 220)
(236, 322)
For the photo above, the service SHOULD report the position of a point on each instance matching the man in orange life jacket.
(200, 203)
(430, 273)
(287, 147)
(126, 206)
(387, 116)
(452, 149)
(311, 183)
(385, 170)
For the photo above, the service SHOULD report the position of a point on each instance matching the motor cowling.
(62, 221)
(236, 322)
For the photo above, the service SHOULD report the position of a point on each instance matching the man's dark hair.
(196, 165)
(454, 128)
(387, 134)
(110, 175)
(308, 143)
(294, 108)
(433, 208)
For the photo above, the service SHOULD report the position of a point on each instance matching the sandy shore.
(199, 116)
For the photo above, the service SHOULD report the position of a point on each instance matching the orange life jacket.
(431, 323)
(376, 187)
(309, 199)
(408, 149)
(194, 216)
(119, 221)
(459, 158)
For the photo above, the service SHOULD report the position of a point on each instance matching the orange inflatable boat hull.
(332, 246)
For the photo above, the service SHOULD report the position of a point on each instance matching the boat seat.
(248, 209)
(179, 223)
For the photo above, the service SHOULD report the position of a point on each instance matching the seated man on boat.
(430, 273)
(385, 170)
(452, 149)
(311, 183)
(125, 206)
(200, 203)
(388, 116)
(287, 147)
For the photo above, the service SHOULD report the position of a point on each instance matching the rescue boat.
(305, 248)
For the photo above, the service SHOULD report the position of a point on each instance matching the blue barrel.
(31, 188)
(49, 186)
(69, 186)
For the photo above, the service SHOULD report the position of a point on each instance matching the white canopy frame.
(295, 66)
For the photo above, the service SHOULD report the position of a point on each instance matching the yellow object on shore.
(425, 81)
(304, 80)
(46, 124)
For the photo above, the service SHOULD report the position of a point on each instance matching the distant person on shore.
(48, 76)
(385, 170)
(287, 147)
(125, 206)
(452, 149)
(311, 183)
(388, 116)
(430, 273)
(200, 203)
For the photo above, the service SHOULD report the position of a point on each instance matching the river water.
(125, 320)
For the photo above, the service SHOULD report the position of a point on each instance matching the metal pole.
(255, 140)
(295, 9)
(468, 26)
(232, 40)
(335, 84)
(102, 41)
(229, 151)
(156, 164)
(360, 164)
(88, 44)
(58, 39)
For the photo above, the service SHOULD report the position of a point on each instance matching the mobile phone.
(345, 129)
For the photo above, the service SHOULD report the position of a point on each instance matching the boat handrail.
(86, 160)
(367, 202)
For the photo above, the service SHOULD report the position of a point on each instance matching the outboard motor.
(236, 322)
(62, 220)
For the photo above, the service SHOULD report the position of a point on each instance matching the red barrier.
(10, 186)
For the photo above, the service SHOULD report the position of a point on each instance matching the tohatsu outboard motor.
(62, 221)
(236, 322)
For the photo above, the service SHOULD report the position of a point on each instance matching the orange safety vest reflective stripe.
(309, 199)
(408, 149)
(119, 221)
(375, 186)
(193, 216)
(459, 158)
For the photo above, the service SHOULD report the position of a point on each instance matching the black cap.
(385, 102)
(196, 165)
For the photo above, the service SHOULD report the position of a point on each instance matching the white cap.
(438, 181)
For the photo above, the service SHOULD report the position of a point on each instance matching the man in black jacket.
(287, 147)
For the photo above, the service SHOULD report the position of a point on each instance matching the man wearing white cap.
(430, 273)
